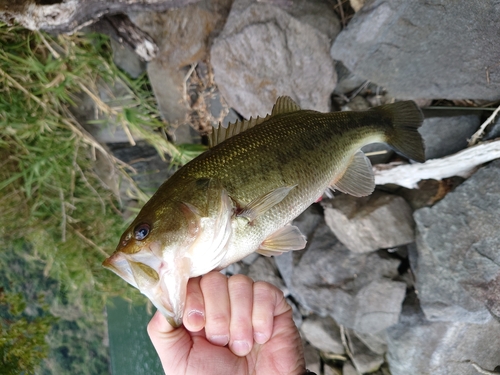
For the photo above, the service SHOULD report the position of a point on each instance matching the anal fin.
(285, 239)
(358, 178)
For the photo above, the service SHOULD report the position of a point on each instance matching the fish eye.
(141, 231)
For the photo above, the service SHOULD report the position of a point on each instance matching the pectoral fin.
(263, 203)
(285, 239)
(358, 178)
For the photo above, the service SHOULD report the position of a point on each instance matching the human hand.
(230, 326)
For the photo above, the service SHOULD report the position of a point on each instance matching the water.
(131, 350)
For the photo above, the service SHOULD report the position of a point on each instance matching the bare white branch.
(462, 164)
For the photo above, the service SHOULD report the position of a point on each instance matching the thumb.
(171, 344)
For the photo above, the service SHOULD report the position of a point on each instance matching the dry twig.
(475, 137)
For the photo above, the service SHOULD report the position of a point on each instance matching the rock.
(357, 103)
(378, 153)
(308, 223)
(348, 369)
(429, 192)
(379, 221)
(68, 15)
(151, 170)
(355, 289)
(446, 135)
(127, 60)
(216, 107)
(323, 334)
(457, 265)
(418, 346)
(377, 342)
(364, 360)
(327, 370)
(249, 259)
(122, 30)
(311, 355)
(264, 269)
(405, 47)
(108, 130)
(347, 81)
(233, 269)
(182, 44)
(297, 315)
(494, 132)
(377, 305)
(265, 52)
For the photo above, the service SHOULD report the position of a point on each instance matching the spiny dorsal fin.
(284, 104)
(220, 133)
(358, 178)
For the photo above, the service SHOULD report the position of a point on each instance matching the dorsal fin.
(220, 133)
(284, 104)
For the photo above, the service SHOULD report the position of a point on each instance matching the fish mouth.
(164, 284)
(119, 265)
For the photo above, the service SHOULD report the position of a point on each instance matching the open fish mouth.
(152, 282)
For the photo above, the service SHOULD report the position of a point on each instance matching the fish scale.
(240, 196)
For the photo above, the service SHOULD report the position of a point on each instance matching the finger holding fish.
(233, 311)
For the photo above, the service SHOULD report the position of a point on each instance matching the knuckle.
(237, 280)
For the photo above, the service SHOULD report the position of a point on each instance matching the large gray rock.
(379, 221)
(418, 346)
(265, 52)
(425, 49)
(355, 289)
(446, 135)
(457, 265)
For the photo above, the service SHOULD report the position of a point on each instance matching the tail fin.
(405, 118)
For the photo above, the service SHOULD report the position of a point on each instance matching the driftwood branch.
(70, 15)
(462, 164)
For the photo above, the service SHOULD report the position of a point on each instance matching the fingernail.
(260, 338)
(240, 347)
(196, 319)
(221, 340)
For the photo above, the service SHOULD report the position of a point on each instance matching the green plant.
(22, 337)
(59, 218)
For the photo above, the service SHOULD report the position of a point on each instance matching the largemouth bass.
(240, 196)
